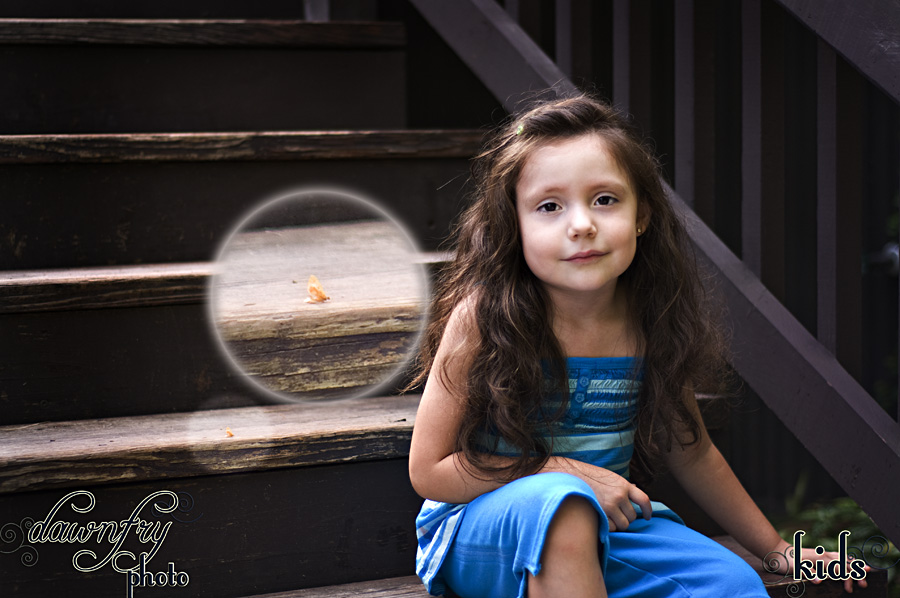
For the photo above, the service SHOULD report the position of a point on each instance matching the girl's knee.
(573, 528)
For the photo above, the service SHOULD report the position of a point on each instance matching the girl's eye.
(605, 200)
(548, 206)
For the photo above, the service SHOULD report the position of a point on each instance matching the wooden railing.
(791, 189)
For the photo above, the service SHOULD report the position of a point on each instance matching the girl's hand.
(784, 563)
(615, 494)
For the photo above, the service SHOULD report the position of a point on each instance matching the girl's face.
(578, 216)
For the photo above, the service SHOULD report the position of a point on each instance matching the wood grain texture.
(360, 336)
(398, 587)
(143, 285)
(102, 288)
(226, 146)
(201, 32)
(145, 448)
(56, 455)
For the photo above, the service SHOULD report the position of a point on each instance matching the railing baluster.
(826, 209)
(317, 10)
(632, 60)
(621, 32)
(512, 9)
(685, 149)
(564, 37)
(763, 140)
(751, 136)
(696, 105)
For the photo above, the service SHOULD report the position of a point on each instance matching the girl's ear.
(643, 217)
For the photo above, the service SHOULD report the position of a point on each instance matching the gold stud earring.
(639, 230)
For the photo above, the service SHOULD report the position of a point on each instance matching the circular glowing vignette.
(322, 200)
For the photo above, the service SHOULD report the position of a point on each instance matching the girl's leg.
(570, 563)
(501, 539)
(663, 559)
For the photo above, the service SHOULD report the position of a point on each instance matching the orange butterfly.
(315, 290)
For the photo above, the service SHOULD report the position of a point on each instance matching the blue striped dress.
(503, 531)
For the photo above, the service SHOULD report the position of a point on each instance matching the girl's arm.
(439, 472)
(708, 479)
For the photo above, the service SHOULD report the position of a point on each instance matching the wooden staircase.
(128, 150)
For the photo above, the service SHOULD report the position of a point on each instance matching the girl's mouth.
(584, 256)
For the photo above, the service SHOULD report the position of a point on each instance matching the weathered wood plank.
(57, 455)
(398, 587)
(252, 146)
(145, 448)
(497, 50)
(143, 285)
(204, 32)
(260, 286)
(102, 288)
(377, 300)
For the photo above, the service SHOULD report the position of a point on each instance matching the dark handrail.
(496, 49)
(865, 32)
(798, 378)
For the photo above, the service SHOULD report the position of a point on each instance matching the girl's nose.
(581, 225)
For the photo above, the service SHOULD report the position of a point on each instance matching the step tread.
(397, 587)
(412, 587)
(245, 146)
(260, 285)
(103, 287)
(151, 447)
(142, 285)
(205, 32)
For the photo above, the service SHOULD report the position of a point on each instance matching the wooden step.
(411, 586)
(296, 496)
(238, 146)
(204, 32)
(152, 448)
(217, 9)
(358, 338)
(83, 201)
(271, 498)
(72, 342)
(120, 75)
(398, 587)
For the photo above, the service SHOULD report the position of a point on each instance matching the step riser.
(110, 89)
(108, 363)
(245, 533)
(57, 366)
(80, 215)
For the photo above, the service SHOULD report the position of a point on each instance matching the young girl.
(566, 340)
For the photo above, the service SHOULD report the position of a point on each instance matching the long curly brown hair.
(516, 360)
